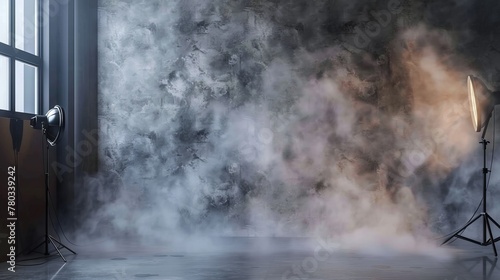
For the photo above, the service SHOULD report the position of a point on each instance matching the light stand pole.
(49, 238)
(486, 217)
(51, 125)
(482, 102)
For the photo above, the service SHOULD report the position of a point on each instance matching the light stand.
(482, 102)
(486, 217)
(51, 125)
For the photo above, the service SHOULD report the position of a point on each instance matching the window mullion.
(39, 18)
(28, 57)
(6, 50)
(12, 76)
(25, 57)
(13, 58)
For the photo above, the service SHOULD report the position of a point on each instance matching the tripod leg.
(57, 249)
(491, 234)
(64, 246)
(464, 227)
(493, 220)
(498, 225)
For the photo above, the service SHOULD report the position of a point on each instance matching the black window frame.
(10, 51)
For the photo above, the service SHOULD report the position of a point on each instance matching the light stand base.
(48, 238)
(53, 241)
(486, 225)
(486, 217)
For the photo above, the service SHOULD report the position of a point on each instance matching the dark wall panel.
(30, 186)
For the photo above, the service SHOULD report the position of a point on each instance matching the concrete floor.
(253, 258)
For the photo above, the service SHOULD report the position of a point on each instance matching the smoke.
(269, 118)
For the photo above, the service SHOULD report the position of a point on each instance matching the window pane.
(27, 25)
(4, 83)
(26, 88)
(4, 21)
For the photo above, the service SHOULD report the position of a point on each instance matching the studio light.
(482, 102)
(52, 124)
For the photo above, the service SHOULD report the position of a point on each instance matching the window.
(20, 59)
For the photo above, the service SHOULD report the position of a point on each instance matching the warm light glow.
(473, 104)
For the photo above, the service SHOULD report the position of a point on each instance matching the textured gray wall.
(286, 117)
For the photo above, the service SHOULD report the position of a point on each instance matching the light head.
(52, 123)
(482, 101)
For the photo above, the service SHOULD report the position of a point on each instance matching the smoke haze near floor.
(335, 119)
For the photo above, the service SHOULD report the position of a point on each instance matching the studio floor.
(255, 258)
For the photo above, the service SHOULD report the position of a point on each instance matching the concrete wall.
(268, 115)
